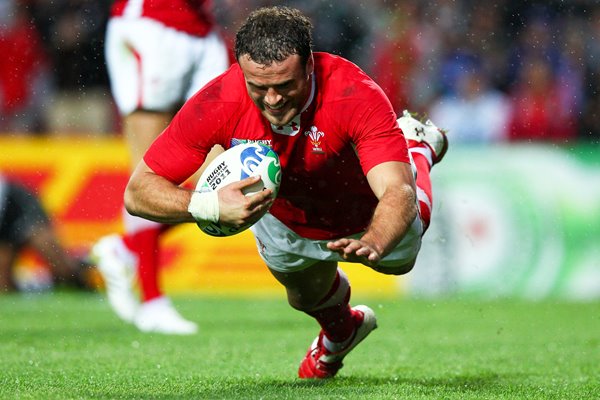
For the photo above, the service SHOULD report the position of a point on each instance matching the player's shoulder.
(331, 64)
(219, 103)
(228, 87)
(341, 77)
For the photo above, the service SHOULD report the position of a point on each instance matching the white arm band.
(204, 206)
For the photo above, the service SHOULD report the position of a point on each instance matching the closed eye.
(279, 86)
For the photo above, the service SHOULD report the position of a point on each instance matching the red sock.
(424, 192)
(144, 244)
(333, 312)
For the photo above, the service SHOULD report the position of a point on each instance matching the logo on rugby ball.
(250, 158)
(254, 157)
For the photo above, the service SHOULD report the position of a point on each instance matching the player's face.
(279, 90)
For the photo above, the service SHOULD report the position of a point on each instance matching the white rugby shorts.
(156, 68)
(285, 251)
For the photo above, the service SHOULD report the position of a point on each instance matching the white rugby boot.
(159, 316)
(427, 132)
(117, 265)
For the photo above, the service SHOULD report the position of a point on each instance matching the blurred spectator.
(473, 112)
(340, 29)
(546, 82)
(397, 52)
(73, 33)
(538, 113)
(487, 38)
(590, 121)
(24, 72)
(571, 68)
(535, 39)
(407, 49)
(415, 50)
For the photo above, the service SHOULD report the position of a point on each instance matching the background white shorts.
(284, 251)
(156, 68)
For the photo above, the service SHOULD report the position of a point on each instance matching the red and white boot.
(320, 363)
(427, 133)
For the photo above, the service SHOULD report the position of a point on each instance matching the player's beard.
(282, 116)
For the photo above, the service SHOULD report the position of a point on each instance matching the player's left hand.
(354, 250)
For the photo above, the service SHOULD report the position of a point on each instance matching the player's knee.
(303, 304)
(400, 269)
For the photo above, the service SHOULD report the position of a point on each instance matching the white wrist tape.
(204, 206)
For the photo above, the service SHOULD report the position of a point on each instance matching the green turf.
(70, 346)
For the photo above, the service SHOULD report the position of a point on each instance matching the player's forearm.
(152, 197)
(392, 218)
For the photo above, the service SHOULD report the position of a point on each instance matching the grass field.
(70, 346)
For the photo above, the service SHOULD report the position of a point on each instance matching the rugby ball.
(234, 164)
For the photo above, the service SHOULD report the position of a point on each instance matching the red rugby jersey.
(190, 16)
(348, 128)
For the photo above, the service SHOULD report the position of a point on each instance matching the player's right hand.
(356, 250)
(237, 209)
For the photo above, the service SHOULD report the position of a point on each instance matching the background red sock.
(144, 244)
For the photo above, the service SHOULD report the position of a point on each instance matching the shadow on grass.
(461, 383)
(341, 387)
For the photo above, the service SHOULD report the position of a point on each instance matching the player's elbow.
(130, 200)
(414, 208)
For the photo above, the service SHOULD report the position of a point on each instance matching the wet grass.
(70, 346)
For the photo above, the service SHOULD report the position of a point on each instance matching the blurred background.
(516, 84)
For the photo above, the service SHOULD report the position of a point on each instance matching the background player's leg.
(7, 261)
(140, 128)
(142, 239)
(155, 314)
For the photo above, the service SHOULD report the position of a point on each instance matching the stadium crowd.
(493, 72)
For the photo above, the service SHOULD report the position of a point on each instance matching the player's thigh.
(306, 287)
(285, 251)
(140, 56)
(212, 59)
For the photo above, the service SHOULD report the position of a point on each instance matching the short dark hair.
(272, 34)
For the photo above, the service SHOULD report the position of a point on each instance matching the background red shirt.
(191, 16)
